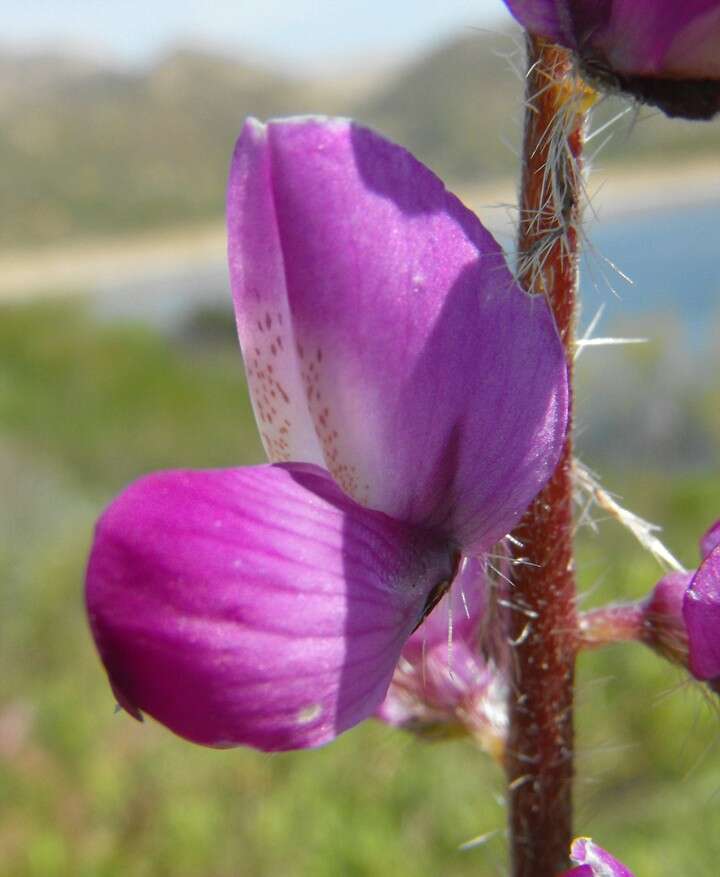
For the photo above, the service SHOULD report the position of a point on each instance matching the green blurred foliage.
(87, 793)
(106, 405)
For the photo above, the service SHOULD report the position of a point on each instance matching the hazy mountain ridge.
(92, 149)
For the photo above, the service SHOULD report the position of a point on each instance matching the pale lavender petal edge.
(588, 854)
(262, 311)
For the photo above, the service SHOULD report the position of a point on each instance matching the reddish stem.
(542, 618)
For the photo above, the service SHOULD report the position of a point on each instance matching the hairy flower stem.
(542, 617)
(620, 623)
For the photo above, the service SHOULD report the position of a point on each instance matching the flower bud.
(663, 625)
(593, 861)
(681, 617)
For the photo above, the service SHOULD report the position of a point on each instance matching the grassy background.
(83, 409)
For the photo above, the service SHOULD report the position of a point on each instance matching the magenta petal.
(701, 611)
(594, 861)
(438, 389)
(457, 617)
(542, 17)
(254, 606)
(694, 52)
(658, 36)
(710, 540)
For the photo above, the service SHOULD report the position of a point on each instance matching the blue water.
(673, 258)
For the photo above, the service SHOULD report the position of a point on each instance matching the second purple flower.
(663, 52)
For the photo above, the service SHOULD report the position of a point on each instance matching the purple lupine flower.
(664, 52)
(682, 614)
(412, 400)
(593, 861)
(443, 686)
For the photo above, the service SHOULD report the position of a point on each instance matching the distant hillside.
(104, 151)
(89, 150)
(458, 108)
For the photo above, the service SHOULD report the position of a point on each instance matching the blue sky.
(300, 33)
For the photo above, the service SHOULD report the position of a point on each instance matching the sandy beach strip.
(84, 266)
